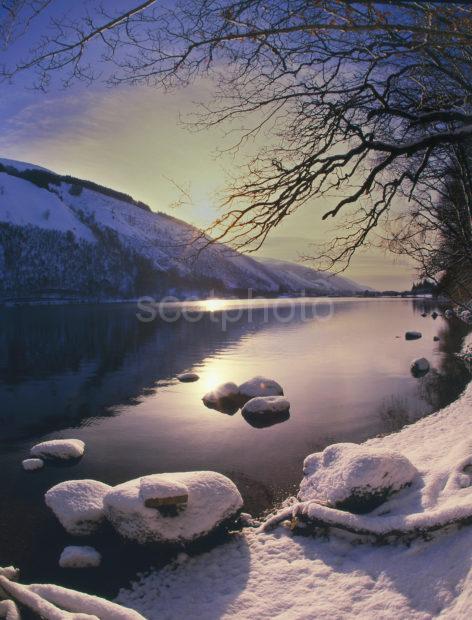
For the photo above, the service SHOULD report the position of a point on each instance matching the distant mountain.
(63, 237)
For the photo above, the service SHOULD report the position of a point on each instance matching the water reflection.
(98, 374)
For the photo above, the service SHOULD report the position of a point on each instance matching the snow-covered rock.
(354, 477)
(59, 449)
(330, 577)
(188, 377)
(260, 386)
(224, 396)
(419, 367)
(157, 490)
(32, 464)
(412, 335)
(78, 504)
(262, 405)
(79, 557)
(213, 500)
(448, 313)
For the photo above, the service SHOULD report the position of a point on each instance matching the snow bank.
(212, 500)
(260, 386)
(59, 449)
(32, 464)
(284, 575)
(353, 477)
(78, 504)
(78, 601)
(79, 557)
(266, 405)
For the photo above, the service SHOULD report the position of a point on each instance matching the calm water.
(98, 374)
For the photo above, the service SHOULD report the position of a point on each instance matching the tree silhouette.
(363, 100)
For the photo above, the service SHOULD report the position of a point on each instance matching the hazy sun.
(212, 305)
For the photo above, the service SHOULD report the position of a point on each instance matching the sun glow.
(213, 305)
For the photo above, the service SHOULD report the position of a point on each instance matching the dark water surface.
(98, 374)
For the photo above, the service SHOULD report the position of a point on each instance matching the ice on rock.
(188, 377)
(158, 490)
(59, 449)
(354, 477)
(412, 335)
(419, 367)
(266, 405)
(79, 557)
(213, 500)
(223, 397)
(78, 504)
(260, 386)
(32, 464)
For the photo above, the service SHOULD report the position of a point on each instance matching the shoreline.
(278, 574)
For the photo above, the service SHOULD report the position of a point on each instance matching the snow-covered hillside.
(63, 234)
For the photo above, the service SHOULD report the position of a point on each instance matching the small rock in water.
(434, 315)
(188, 377)
(158, 490)
(435, 338)
(79, 557)
(412, 335)
(32, 464)
(419, 367)
(266, 405)
(449, 314)
(224, 398)
(59, 449)
(260, 386)
(424, 314)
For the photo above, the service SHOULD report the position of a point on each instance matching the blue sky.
(131, 138)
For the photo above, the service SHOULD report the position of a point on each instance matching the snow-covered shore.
(282, 575)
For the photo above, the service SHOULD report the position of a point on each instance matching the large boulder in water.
(224, 397)
(78, 504)
(212, 501)
(259, 386)
(354, 477)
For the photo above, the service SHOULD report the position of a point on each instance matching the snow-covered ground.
(170, 244)
(286, 576)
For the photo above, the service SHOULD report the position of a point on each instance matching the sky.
(135, 139)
